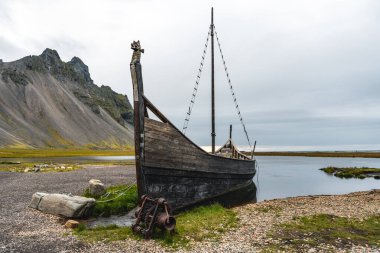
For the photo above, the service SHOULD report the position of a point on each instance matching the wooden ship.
(170, 165)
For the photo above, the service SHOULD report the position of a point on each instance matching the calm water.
(277, 176)
(286, 176)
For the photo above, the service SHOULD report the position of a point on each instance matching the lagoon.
(276, 177)
(289, 176)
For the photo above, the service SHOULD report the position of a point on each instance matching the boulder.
(96, 188)
(61, 204)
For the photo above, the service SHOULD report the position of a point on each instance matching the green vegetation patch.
(353, 172)
(118, 199)
(198, 224)
(117, 105)
(22, 153)
(16, 76)
(104, 233)
(206, 222)
(37, 167)
(316, 230)
(267, 209)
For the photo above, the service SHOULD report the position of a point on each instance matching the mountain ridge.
(46, 102)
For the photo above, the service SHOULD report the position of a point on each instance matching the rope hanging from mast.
(187, 119)
(188, 113)
(232, 90)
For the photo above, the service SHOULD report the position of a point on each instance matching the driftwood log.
(61, 204)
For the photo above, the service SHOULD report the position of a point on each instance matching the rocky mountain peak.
(62, 106)
(51, 57)
(80, 68)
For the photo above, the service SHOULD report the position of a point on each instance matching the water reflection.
(243, 194)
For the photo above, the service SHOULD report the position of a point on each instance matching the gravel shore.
(25, 230)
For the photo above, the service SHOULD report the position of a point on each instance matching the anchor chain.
(232, 90)
(187, 119)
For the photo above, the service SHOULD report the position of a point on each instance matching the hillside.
(45, 102)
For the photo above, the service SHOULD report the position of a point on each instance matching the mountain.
(45, 102)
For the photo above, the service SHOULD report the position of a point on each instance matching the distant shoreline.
(361, 154)
(74, 152)
(128, 151)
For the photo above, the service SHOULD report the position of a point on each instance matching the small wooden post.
(253, 150)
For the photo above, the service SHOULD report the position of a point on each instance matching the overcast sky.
(305, 72)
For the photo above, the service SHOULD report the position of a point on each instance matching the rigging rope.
(232, 90)
(187, 119)
(124, 191)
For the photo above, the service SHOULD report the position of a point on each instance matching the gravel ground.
(26, 230)
(257, 219)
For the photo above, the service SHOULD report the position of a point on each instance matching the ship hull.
(189, 188)
(175, 168)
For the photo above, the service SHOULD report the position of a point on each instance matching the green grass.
(27, 167)
(352, 172)
(22, 153)
(118, 199)
(311, 231)
(109, 163)
(267, 209)
(198, 224)
(50, 167)
(104, 233)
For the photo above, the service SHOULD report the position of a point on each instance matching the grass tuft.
(104, 233)
(30, 167)
(22, 153)
(266, 209)
(119, 199)
(352, 172)
(311, 231)
(198, 224)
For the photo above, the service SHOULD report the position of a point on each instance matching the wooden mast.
(212, 84)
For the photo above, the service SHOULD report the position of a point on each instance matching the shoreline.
(128, 151)
(25, 230)
(337, 154)
(258, 223)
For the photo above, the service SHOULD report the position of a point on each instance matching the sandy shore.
(26, 230)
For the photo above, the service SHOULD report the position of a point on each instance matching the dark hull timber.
(170, 165)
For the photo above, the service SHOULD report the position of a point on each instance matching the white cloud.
(299, 56)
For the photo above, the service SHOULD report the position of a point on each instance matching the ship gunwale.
(164, 119)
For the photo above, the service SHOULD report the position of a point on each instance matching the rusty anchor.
(153, 213)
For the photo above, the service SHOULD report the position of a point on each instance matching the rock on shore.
(62, 204)
(23, 229)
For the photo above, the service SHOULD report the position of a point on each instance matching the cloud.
(303, 71)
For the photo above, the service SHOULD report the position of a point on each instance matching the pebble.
(20, 227)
